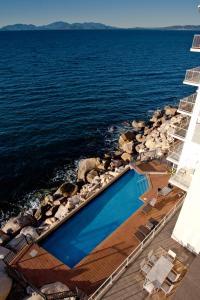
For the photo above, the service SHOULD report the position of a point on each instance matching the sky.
(121, 13)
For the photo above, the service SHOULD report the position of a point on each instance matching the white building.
(186, 158)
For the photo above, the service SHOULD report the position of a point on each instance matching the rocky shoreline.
(142, 142)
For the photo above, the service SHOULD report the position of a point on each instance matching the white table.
(160, 270)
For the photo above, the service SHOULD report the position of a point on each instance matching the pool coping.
(71, 214)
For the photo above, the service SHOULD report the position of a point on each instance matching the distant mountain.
(182, 27)
(58, 26)
(88, 26)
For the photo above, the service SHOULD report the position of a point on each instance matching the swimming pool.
(80, 234)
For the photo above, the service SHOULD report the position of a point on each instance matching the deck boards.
(90, 273)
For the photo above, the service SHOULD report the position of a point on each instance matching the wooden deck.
(90, 273)
(130, 284)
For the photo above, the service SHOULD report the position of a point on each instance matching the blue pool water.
(78, 236)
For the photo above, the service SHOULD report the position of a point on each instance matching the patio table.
(160, 270)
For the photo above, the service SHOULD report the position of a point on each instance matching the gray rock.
(67, 189)
(86, 165)
(15, 224)
(62, 212)
(55, 287)
(128, 147)
(170, 111)
(4, 238)
(30, 231)
(3, 252)
(138, 125)
(91, 175)
(126, 157)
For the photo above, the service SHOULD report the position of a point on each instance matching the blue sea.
(64, 95)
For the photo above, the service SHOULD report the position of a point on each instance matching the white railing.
(187, 104)
(196, 42)
(193, 76)
(135, 253)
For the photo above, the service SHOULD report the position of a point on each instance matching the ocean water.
(61, 93)
(77, 237)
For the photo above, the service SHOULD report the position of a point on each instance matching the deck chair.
(171, 255)
(152, 223)
(144, 230)
(152, 258)
(173, 276)
(139, 236)
(147, 208)
(144, 267)
(166, 287)
(149, 287)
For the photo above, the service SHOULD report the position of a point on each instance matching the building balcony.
(175, 153)
(182, 178)
(179, 132)
(196, 43)
(192, 77)
(186, 104)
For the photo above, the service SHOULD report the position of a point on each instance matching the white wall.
(187, 228)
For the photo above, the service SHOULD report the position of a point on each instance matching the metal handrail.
(135, 253)
(13, 253)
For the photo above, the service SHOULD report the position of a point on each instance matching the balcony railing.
(186, 104)
(193, 76)
(196, 42)
(175, 153)
(182, 178)
(179, 132)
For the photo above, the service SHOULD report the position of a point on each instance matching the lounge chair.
(152, 258)
(147, 208)
(152, 223)
(144, 267)
(166, 287)
(173, 276)
(165, 191)
(144, 230)
(140, 236)
(153, 202)
(171, 255)
(149, 287)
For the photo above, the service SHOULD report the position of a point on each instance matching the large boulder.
(62, 212)
(86, 165)
(52, 288)
(126, 138)
(15, 224)
(91, 175)
(67, 189)
(138, 125)
(170, 111)
(128, 147)
(4, 238)
(3, 252)
(30, 232)
(5, 285)
(126, 157)
(156, 115)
